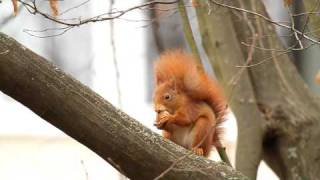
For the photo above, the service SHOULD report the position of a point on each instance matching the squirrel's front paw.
(162, 120)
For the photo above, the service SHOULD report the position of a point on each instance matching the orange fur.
(54, 7)
(15, 7)
(188, 103)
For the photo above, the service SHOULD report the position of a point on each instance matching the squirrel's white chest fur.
(183, 136)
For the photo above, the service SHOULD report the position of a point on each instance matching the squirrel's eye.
(167, 97)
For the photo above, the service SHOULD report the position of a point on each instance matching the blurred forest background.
(115, 59)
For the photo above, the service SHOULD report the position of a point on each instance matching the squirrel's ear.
(158, 79)
(173, 84)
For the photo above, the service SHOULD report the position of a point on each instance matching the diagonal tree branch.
(75, 109)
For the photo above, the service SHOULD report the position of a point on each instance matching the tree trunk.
(289, 128)
(134, 150)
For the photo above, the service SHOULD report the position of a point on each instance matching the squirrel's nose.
(159, 111)
(159, 108)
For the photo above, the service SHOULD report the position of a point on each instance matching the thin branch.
(306, 13)
(282, 52)
(172, 166)
(295, 33)
(188, 31)
(84, 169)
(97, 18)
(263, 60)
(114, 56)
(67, 25)
(73, 8)
(63, 31)
(32, 8)
(291, 48)
(233, 81)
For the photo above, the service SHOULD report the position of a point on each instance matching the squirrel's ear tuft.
(159, 78)
(173, 84)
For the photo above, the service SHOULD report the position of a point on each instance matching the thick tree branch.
(64, 102)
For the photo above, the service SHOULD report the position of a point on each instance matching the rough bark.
(290, 124)
(131, 148)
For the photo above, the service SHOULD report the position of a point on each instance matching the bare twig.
(73, 8)
(85, 169)
(32, 7)
(68, 24)
(281, 52)
(233, 81)
(172, 165)
(294, 32)
(62, 29)
(114, 55)
(306, 13)
(263, 60)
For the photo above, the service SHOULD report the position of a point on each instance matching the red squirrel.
(190, 106)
